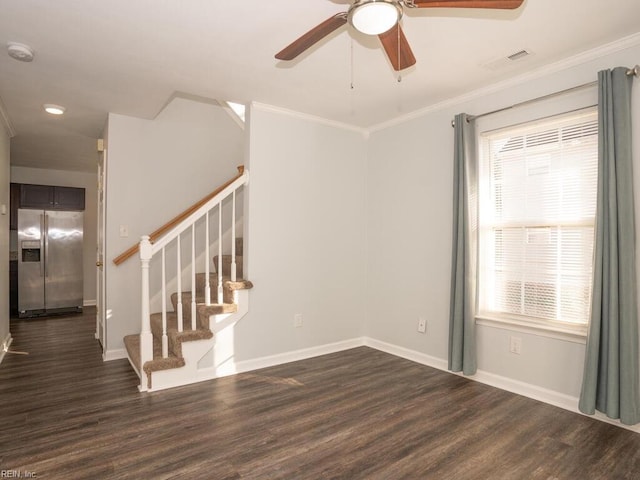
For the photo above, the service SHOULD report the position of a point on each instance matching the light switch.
(124, 231)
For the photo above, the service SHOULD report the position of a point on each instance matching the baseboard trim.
(551, 397)
(557, 399)
(6, 343)
(525, 389)
(295, 355)
(89, 303)
(406, 353)
(116, 354)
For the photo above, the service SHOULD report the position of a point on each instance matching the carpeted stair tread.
(186, 298)
(203, 312)
(172, 326)
(226, 265)
(226, 307)
(173, 359)
(158, 363)
(186, 304)
(239, 284)
(132, 344)
(201, 279)
(174, 337)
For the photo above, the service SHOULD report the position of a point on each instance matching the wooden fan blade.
(499, 4)
(389, 41)
(312, 37)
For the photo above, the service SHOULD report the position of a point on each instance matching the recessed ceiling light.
(54, 109)
(19, 51)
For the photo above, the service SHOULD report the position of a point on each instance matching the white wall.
(156, 169)
(409, 221)
(88, 181)
(353, 234)
(306, 217)
(4, 238)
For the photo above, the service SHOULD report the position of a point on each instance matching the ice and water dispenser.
(30, 250)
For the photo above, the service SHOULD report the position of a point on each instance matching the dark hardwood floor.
(358, 414)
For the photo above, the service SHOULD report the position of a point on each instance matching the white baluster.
(179, 269)
(220, 299)
(207, 284)
(233, 237)
(193, 276)
(146, 338)
(165, 340)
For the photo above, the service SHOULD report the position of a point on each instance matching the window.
(238, 109)
(536, 220)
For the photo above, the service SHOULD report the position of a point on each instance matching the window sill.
(575, 334)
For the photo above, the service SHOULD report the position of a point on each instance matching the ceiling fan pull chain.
(351, 66)
(399, 71)
(352, 91)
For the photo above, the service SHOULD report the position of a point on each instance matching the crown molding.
(566, 63)
(558, 66)
(4, 120)
(311, 118)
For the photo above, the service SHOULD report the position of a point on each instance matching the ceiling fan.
(382, 18)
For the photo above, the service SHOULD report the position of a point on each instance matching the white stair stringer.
(207, 359)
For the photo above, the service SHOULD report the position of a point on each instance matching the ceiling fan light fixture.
(373, 17)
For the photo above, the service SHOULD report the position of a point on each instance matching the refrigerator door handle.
(45, 235)
(42, 246)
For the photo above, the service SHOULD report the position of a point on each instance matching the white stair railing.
(172, 241)
(219, 260)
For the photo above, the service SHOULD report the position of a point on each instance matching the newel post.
(146, 338)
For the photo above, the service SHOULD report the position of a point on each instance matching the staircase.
(193, 342)
(192, 352)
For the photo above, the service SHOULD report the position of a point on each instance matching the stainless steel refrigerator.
(49, 262)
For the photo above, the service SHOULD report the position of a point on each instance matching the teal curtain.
(462, 341)
(610, 381)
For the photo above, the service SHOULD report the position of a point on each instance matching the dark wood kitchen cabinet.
(14, 201)
(13, 288)
(68, 198)
(50, 197)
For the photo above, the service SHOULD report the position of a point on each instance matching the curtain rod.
(635, 71)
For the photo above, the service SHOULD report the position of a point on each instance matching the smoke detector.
(19, 51)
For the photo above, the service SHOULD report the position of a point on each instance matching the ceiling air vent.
(518, 55)
(508, 60)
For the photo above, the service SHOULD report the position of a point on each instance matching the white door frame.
(101, 324)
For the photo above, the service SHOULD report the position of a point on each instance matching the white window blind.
(537, 209)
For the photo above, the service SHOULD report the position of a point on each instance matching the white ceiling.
(131, 56)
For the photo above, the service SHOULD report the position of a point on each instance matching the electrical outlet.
(515, 345)
(297, 320)
(422, 325)
(124, 231)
